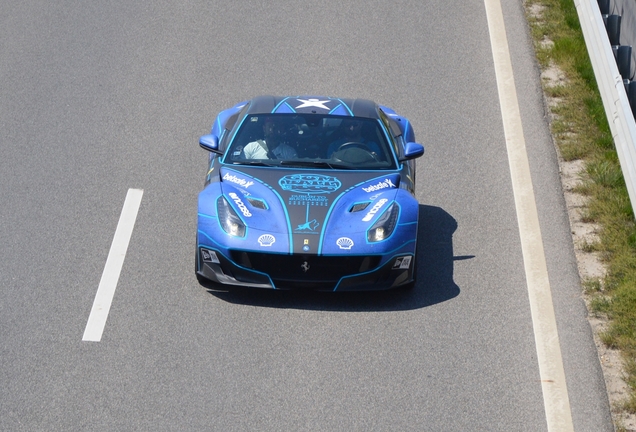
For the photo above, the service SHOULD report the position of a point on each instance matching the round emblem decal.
(309, 183)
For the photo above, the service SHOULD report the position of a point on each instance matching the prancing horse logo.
(305, 266)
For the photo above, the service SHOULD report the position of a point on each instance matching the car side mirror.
(210, 143)
(412, 150)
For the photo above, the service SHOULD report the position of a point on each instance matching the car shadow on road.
(434, 280)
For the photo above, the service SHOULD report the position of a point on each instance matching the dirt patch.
(591, 268)
(584, 236)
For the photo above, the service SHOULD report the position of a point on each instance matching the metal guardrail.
(612, 89)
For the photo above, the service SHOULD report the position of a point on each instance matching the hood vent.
(257, 203)
(359, 207)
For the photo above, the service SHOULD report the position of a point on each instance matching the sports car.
(309, 193)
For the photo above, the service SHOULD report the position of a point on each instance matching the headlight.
(384, 226)
(229, 220)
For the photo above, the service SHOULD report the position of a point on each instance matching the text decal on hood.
(237, 180)
(386, 183)
(309, 190)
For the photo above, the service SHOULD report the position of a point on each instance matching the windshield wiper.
(315, 164)
(254, 162)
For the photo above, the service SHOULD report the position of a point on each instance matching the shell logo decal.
(266, 240)
(344, 243)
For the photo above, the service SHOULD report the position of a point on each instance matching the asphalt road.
(100, 97)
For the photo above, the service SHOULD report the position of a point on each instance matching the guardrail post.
(613, 27)
(624, 61)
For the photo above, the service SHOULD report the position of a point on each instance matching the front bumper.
(306, 272)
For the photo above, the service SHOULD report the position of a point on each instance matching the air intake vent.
(359, 207)
(257, 202)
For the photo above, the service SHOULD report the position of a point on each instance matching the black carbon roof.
(313, 105)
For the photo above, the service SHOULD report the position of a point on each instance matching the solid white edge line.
(112, 269)
(555, 396)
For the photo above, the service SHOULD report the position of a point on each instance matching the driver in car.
(272, 145)
(353, 135)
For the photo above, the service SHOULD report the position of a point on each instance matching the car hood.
(313, 211)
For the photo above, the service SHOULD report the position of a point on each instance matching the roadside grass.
(581, 131)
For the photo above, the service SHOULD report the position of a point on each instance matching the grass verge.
(581, 131)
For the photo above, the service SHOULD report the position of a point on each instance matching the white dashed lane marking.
(112, 269)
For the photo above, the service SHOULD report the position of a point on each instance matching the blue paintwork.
(302, 214)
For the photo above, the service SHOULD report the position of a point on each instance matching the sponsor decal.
(266, 240)
(306, 245)
(310, 183)
(240, 204)
(344, 243)
(386, 183)
(309, 200)
(374, 210)
(309, 190)
(402, 262)
(237, 180)
(316, 103)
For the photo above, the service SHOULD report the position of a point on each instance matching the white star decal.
(312, 103)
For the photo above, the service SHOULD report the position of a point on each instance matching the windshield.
(311, 140)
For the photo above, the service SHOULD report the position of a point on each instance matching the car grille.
(321, 271)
